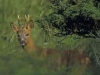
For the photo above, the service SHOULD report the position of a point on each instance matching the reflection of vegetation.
(13, 60)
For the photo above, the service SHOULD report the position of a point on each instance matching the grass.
(13, 59)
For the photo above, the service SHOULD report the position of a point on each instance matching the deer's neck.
(29, 47)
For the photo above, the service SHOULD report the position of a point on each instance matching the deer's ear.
(30, 25)
(13, 27)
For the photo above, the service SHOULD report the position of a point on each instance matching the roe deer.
(59, 57)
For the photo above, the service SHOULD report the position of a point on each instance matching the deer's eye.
(18, 35)
(26, 34)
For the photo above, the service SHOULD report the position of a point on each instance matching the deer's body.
(62, 57)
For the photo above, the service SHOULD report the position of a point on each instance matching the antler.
(26, 19)
(19, 20)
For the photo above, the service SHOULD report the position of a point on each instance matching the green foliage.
(13, 59)
(79, 17)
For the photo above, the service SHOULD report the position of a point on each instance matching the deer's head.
(23, 32)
